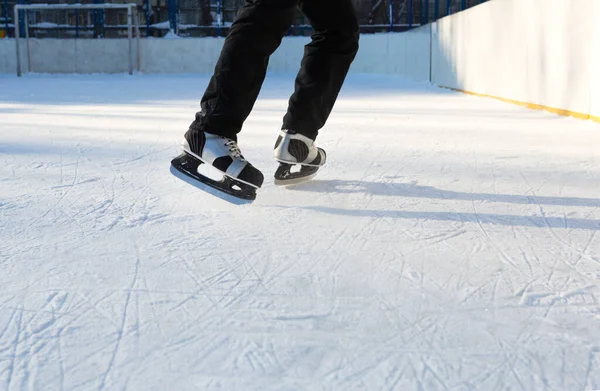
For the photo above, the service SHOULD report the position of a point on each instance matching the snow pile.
(162, 25)
(171, 35)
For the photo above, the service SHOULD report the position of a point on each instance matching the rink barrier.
(538, 54)
(528, 105)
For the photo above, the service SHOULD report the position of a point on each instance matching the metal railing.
(132, 26)
(192, 18)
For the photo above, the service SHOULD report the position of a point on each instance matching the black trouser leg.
(325, 64)
(240, 71)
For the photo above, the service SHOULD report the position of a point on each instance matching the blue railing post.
(171, 11)
(76, 22)
(148, 9)
(6, 17)
(448, 7)
(464, 5)
(21, 20)
(218, 18)
(437, 9)
(391, 15)
(410, 13)
(102, 19)
(177, 15)
(99, 20)
(426, 11)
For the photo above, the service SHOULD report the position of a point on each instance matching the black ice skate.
(293, 149)
(239, 178)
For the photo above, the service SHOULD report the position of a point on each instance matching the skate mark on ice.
(15, 346)
(550, 299)
(68, 188)
(143, 219)
(57, 301)
(550, 226)
(90, 180)
(585, 249)
(302, 317)
(142, 156)
(121, 331)
(503, 254)
(592, 356)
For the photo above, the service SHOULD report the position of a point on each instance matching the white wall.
(595, 81)
(536, 51)
(405, 54)
(399, 53)
(179, 55)
(8, 56)
(66, 56)
(200, 55)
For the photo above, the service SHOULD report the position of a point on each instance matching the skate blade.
(185, 167)
(284, 176)
(294, 181)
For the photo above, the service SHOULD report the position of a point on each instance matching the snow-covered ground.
(450, 244)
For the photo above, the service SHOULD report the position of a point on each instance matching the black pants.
(256, 33)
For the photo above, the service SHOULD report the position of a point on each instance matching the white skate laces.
(234, 149)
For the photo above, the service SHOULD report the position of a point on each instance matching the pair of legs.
(242, 66)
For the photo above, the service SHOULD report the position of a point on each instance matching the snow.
(162, 25)
(449, 244)
(166, 25)
(171, 35)
(48, 25)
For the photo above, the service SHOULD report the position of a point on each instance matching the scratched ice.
(449, 244)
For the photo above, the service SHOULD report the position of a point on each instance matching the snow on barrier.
(542, 54)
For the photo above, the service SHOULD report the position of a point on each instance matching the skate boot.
(239, 178)
(293, 150)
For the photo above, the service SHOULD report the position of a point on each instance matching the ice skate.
(239, 178)
(293, 150)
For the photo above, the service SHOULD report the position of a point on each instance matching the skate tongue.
(235, 149)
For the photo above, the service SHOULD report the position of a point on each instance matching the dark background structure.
(197, 18)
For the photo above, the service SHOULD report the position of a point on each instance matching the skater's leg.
(324, 66)
(241, 68)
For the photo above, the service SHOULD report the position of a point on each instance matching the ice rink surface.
(449, 244)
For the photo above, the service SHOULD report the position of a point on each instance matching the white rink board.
(406, 54)
(595, 82)
(399, 53)
(8, 56)
(200, 55)
(66, 56)
(534, 51)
